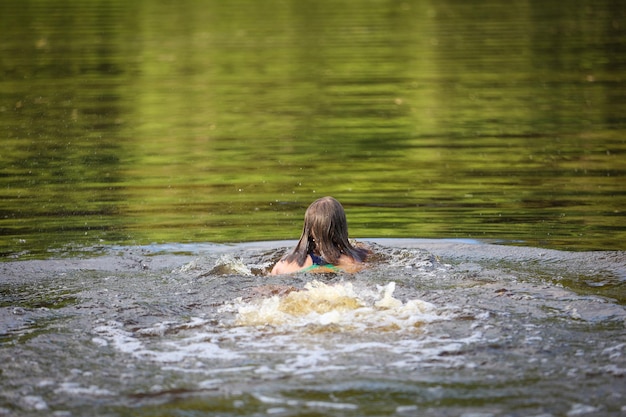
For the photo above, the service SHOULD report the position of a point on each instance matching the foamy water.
(210, 333)
(337, 307)
(310, 327)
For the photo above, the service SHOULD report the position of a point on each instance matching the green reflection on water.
(134, 122)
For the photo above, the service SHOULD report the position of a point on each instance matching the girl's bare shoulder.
(284, 267)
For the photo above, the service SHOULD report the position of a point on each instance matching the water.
(155, 154)
(139, 122)
(433, 327)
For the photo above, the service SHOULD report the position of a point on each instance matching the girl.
(324, 244)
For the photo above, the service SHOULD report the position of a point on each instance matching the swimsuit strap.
(317, 260)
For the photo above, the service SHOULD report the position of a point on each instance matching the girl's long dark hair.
(325, 233)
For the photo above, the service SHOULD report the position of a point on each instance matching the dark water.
(132, 122)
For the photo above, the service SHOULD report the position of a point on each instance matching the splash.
(225, 265)
(338, 307)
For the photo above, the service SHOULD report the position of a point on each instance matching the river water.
(134, 122)
(157, 158)
(433, 327)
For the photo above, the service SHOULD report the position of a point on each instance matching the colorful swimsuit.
(319, 262)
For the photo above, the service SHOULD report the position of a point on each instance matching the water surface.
(433, 328)
(132, 122)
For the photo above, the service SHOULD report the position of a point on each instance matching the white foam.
(266, 399)
(351, 326)
(367, 346)
(76, 389)
(330, 405)
(33, 403)
(337, 307)
(98, 341)
(122, 340)
(210, 384)
(169, 350)
(180, 352)
(581, 409)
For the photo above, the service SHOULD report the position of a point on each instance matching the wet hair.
(325, 234)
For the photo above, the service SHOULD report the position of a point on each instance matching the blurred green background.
(131, 122)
